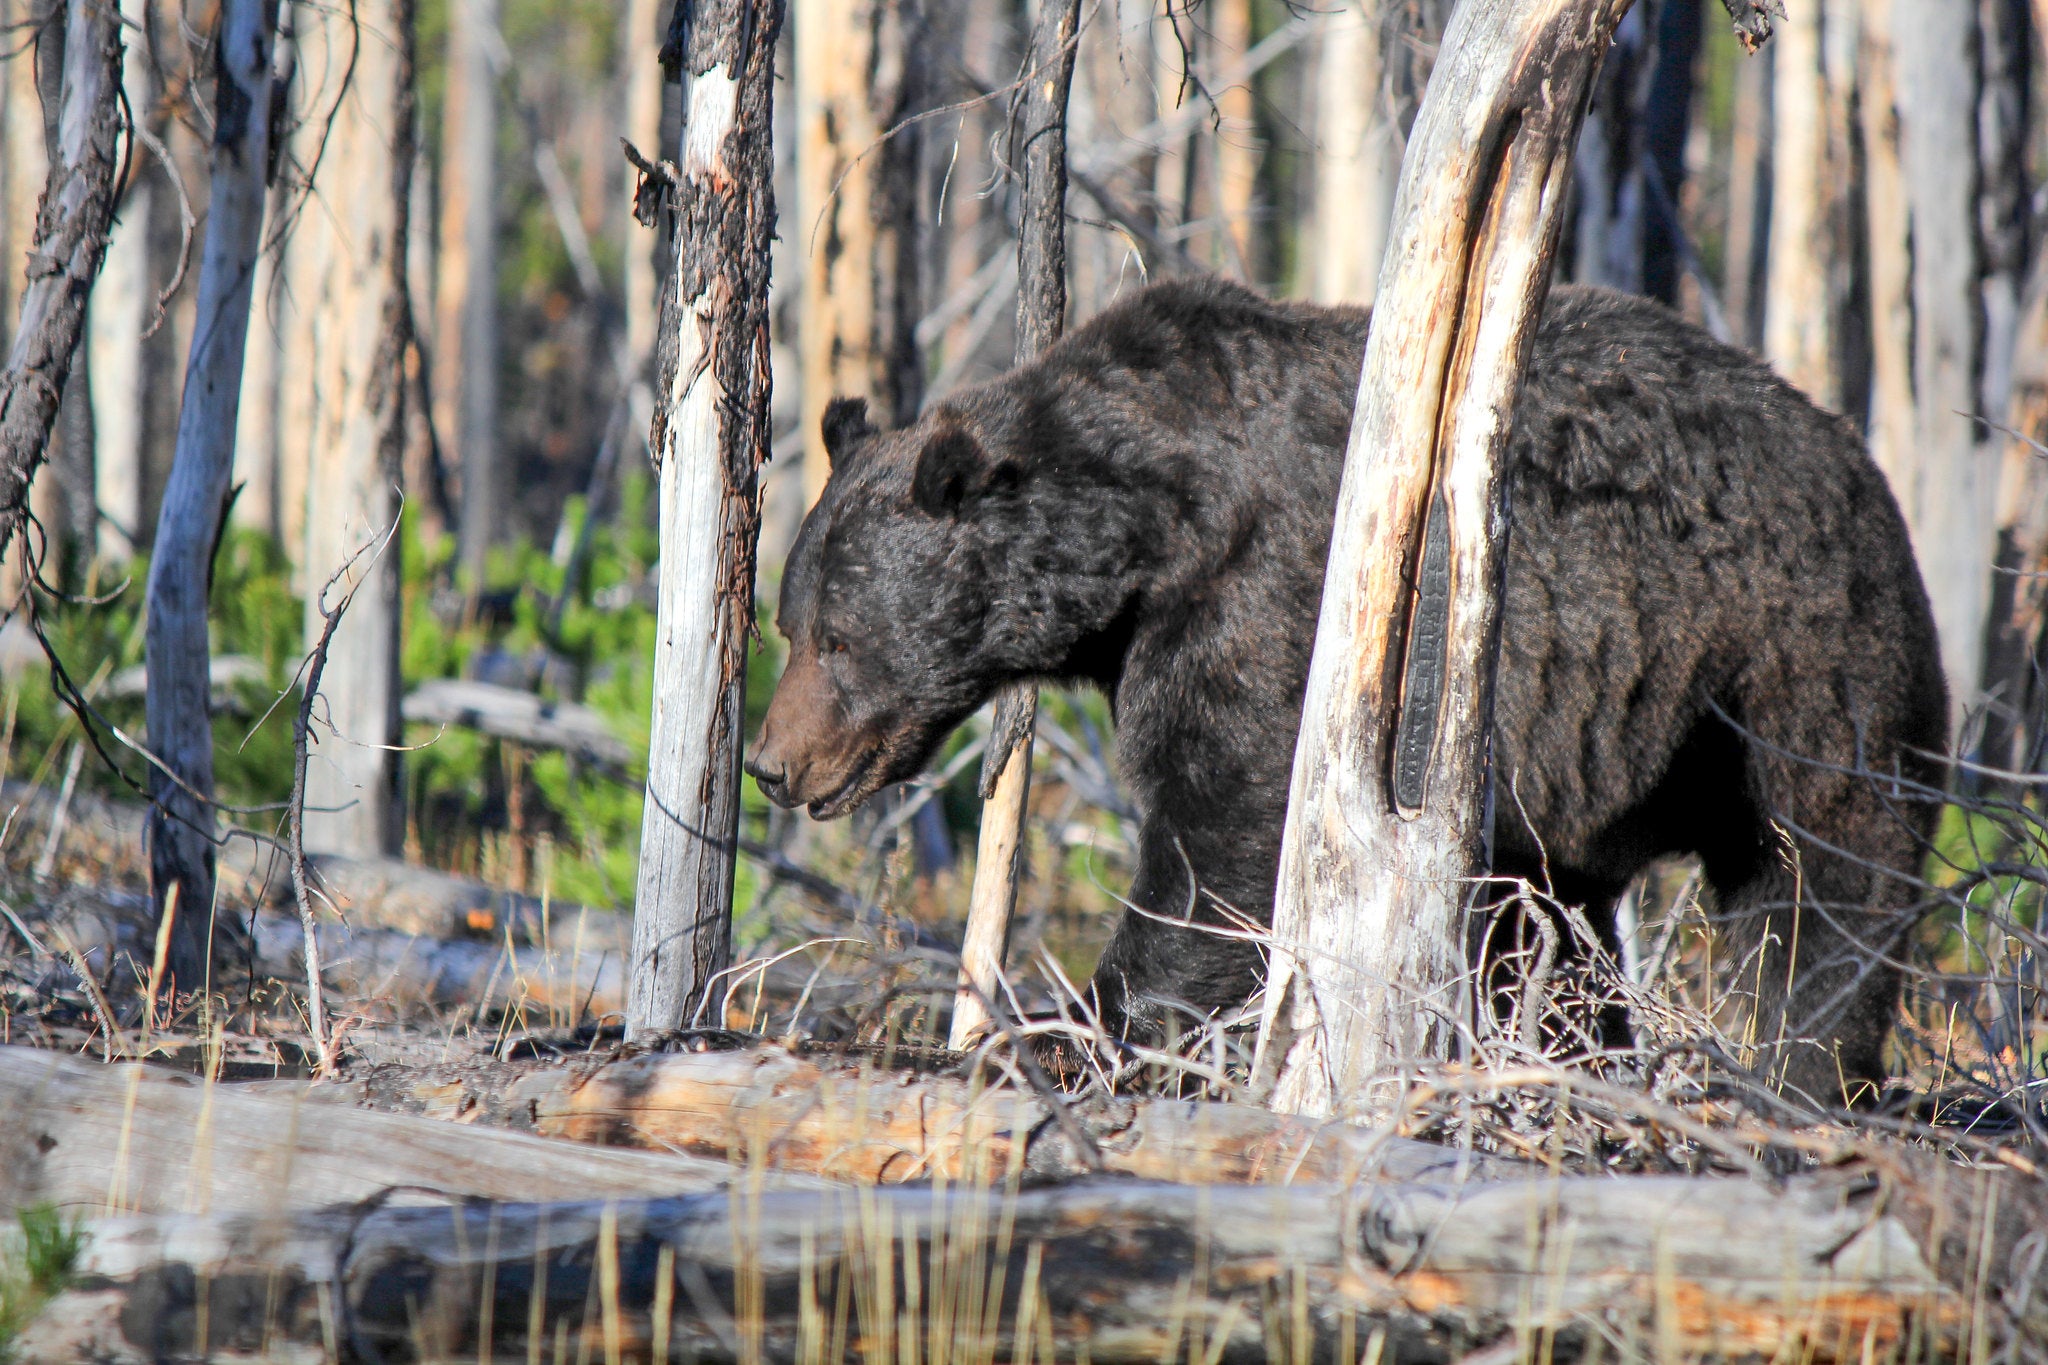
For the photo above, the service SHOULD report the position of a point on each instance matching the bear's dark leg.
(1180, 953)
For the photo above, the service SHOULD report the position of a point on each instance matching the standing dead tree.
(1385, 816)
(710, 436)
(70, 241)
(1038, 157)
(180, 837)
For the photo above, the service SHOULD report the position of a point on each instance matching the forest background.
(1865, 213)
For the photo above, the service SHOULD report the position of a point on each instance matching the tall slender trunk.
(73, 217)
(466, 299)
(1933, 281)
(1236, 140)
(1357, 161)
(1386, 808)
(710, 436)
(1745, 279)
(181, 820)
(1810, 245)
(354, 288)
(122, 307)
(1038, 157)
(1666, 121)
(256, 426)
(641, 76)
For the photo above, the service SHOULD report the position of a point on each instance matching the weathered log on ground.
(1822, 1268)
(139, 1139)
(369, 893)
(854, 1121)
(509, 713)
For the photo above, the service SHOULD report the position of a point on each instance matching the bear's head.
(886, 605)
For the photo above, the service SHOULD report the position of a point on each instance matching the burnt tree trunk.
(1385, 820)
(710, 435)
(72, 222)
(1038, 157)
(181, 822)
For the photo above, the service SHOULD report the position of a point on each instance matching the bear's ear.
(846, 426)
(953, 468)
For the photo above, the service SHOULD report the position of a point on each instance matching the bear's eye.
(835, 645)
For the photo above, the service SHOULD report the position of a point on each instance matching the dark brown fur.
(1697, 551)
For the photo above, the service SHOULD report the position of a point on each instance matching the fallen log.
(519, 716)
(139, 1139)
(1821, 1268)
(856, 1121)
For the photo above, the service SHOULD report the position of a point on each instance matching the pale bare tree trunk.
(1744, 284)
(122, 305)
(1935, 296)
(1038, 157)
(1357, 160)
(1175, 43)
(465, 311)
(1892, 417)
(73, 216)
(641, 75)
(181, 822)
(857, 67)
(1385, 810)
(710, 435)
(256, 426)
(1812, 81)
(1236, 140)
(354, 290)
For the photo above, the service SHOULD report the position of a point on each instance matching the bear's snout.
(808, 754)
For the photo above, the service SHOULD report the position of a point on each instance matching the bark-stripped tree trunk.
(353, 286)
(1386, 810)
(1810, 333)
(1936, 281)
(1235, 139)
(1038, 157)
(641, 76)
(1743, 283)
(710, 435)
(466, 298)
(858, 67)
(122, 305)
(71, 226)
(181, 821)
(257, 430)
(1357, 160)
(2016, 643)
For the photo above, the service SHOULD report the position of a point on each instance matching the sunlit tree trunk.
(1811, 251)
(1236, 140)
(1939, 300)
(1744, 281)
(1386, 806)
(353, 288)
(122, 304)
(641, 76)
(1357, 160)
(859, 65)
(710, 436)
(256, 427)
(466, 278)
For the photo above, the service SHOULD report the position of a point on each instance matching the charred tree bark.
(181, 824)
(1038, 157)
(710, 435)
(72, 223)
(1386, 811)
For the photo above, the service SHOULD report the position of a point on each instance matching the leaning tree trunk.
(1385, 813)
(1038, 142)
(181, 823)
(355, 287)
(72, 222)
(710, 436)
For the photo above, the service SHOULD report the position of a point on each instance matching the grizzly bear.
(1714, 641)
